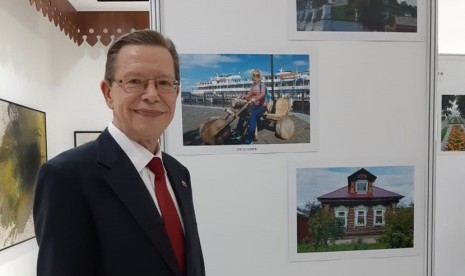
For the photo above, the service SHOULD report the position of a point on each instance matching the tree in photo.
(399, 228)
(461, 104)
(372, 14)
(447, 104)
(324, 229)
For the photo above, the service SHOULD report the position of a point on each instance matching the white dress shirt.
(140, 157)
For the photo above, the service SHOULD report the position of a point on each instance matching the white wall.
(451, 27)
(77, 101)
(25, 67)
(26, 78)
(42, 69)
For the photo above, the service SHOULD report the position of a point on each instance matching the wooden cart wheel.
(214, 132)
(285, 127)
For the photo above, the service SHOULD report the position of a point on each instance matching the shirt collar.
(138, 154)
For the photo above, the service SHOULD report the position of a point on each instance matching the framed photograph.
(23, 149)
(353, 211)
(82, 137)
(452, 127)
(381, 20)
(214, 114)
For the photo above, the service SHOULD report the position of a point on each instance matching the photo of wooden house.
(354, 208)
(360, 205)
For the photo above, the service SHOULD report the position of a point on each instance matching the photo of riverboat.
(214, 112)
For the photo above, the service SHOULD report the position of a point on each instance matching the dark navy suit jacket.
(93, 215)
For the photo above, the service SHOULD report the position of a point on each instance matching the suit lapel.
(125, 181)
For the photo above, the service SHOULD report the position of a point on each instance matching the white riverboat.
(283, 82)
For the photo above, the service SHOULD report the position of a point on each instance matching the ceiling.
(94, 5)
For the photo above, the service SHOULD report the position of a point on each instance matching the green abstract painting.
(23, 148)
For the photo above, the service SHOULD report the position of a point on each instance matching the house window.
(361, 186)
(341, 213)
(360, 216)
(378, 213)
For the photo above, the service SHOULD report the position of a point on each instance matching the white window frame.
(364, 210)
(360, 182)
(342, 209)
(382, 209)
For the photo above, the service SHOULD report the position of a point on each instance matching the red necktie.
(168, 211)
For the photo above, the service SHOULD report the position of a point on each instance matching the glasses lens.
(166, 86)
(134, 85)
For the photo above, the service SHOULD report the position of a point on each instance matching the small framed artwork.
(82, 137)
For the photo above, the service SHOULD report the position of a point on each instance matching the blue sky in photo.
(314, 182)
(201, 67)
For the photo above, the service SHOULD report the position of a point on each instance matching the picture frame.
(344, 20)
(23, 149)
(324, 186)
(451, 122)
(211, 84)
(82, 137)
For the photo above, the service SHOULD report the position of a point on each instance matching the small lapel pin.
(184, 184)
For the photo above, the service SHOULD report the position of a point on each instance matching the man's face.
(141, 116)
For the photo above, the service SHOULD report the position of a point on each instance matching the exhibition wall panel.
(449, 177)
(369, 107)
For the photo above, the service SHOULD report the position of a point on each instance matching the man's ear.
(106, 91)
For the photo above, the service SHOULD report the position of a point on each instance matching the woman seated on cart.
(257, 97)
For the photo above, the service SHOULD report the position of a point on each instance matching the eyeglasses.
(255, 75)
(139, 86)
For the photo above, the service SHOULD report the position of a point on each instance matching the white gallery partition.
(370, 96)
(449, 165)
